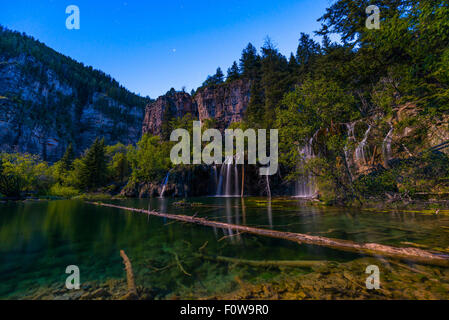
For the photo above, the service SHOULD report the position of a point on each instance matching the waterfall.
(215, 173)
(349, 157)
(220, 180)
(226, 187)
(236, 180)
(305, 187)
(268, 186)
(386, 146)
(351, 137)
(360, 150)
(165, 184)
(270, 214)
(228, 177)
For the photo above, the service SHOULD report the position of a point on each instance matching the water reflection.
(270, 214)
(39, 239)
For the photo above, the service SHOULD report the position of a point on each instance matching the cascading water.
(228, 178)
(305, 186)
(165, 184)
(226, 187)
(386, 146)
(360, 150)
(236, 180)
(268, 186)
(351, 138)
(215, 173)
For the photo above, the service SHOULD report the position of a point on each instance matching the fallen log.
(265, 263)
(373, 249)
(132, 291)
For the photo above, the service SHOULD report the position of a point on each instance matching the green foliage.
(216, 79)
(150, 161)
(233, 72)
(315, 104)
(376, 184)
(314, 93)
(23, 173)
(63, 191)
(332, 179)
(61, 169)
(427, 173)
(119, 167)
(92, 172)
(67, 159)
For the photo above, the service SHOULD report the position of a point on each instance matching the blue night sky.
(151, 46)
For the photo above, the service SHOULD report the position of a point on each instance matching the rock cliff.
(41, 112)
(175, 104)
(226, 103)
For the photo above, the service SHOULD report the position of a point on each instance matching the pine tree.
(233, 72)
(250, 62)
(307, 50)
(274, 79)
(219, 76)
(67, 159)
(292, 63)
(93, 170)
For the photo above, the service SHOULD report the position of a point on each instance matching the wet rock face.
(39, 113)
(225, 103)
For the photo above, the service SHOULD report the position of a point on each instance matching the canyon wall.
(41, 112)
(226, 103)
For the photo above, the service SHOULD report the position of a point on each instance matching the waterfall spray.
(165, 184)
(360, 150)
(305, 187)
(386, 146)
(268, 186)
(226, 186)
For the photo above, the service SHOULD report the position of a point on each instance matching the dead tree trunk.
(266, 263)
(132, 291)
(373, 249)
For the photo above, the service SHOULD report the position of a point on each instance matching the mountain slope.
(48, 100)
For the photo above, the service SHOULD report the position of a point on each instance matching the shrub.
(63, 191)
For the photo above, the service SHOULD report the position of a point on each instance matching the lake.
(172, 260)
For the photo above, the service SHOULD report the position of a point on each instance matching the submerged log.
(373, 249)
(132, 291)
(265, 263)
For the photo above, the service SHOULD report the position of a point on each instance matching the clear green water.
(38, 240)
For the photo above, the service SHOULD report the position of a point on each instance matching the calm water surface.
(38, 240)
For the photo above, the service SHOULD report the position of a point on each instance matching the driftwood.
(373, 249)
(265, 263)
(132, 291)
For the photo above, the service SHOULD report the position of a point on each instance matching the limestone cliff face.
(174, 105)
(42, 112)
(226, 103)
